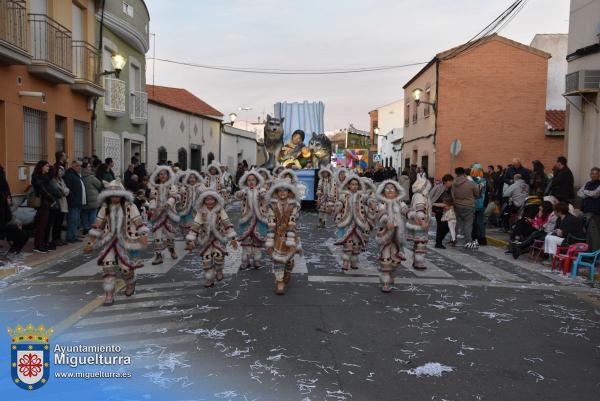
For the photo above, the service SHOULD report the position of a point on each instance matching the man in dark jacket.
(464, 193)
(516, 168)
(562, 185)
(76, 200)
(590, 206)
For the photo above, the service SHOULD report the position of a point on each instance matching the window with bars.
(80, 134)
(182, 158)
(34, 135)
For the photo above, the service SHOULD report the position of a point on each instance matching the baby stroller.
(522, 228)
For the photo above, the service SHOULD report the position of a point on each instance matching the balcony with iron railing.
(85, 67)
(114, 97)
(51, 48)
(14, 32)
(584, 81)
(138, 107)
(414, 118)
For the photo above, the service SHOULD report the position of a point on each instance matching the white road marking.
(431, 271)
(471, 262)
(91, 267)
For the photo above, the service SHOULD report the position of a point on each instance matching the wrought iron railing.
(138, 105)
(50, 42)
(85, 62)
(13, 23)
(414, 118)
(114, 95)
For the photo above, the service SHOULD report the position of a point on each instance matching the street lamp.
(118, 62)
(416, 94)
(232, 118)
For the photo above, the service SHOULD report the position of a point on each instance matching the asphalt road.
(476, 325)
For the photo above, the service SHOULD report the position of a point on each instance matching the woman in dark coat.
(40, 180)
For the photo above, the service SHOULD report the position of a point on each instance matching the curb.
(496, 242)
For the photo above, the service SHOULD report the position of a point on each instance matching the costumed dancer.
(164, 217)
(352, 221)
(290, 176)
(193, 186)
(418, 221)
(277, 170)
(324, 190)
(214, 180)
(212, 230)
(338, 179)
(253, 218)
(121, 233)
(391, 232)
(267, 178)
(227, 180)
(282, 242)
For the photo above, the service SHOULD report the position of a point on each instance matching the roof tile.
(555, 120)
(181, 99)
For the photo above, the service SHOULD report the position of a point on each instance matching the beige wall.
(419, 136)
(583, 130)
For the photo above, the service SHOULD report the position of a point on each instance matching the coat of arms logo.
(30, 356)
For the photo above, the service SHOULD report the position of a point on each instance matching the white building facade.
(583, 88)
(237, 145)
(556, 44)
(178, 131)
(391, 131)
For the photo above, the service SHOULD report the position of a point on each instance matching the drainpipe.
(98, 70)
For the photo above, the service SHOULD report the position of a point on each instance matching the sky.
(320, 34)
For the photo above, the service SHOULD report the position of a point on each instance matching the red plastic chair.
(563, 260)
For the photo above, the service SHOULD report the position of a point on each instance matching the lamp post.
(416, 95)
(118, 62)
(232, 118)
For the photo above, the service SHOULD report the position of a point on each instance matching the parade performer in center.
(391, 232)
(282, 242)
(253, 218)
(290, 176)
(164, 217)
(418, 221)
(324, 191)
(212, 230)
(351, 218)
(339, 176)
(190, 191)
(121, 233)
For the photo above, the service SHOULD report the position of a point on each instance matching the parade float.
(294, 138)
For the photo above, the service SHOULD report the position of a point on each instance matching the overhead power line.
(295, 71)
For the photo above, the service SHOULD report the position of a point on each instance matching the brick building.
(492, 97)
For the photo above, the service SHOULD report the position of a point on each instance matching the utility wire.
(281, 71)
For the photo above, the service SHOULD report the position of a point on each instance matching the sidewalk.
(497, 237)
(30, 259)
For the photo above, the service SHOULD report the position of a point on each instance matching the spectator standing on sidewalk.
(590, 206)
(516, 168)
(480, 202)
(539, 179)
(93, 187)
(76, 200)
(40, 180)
(562, 185)
(437, 195)
(60, 208)
(464, 192)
